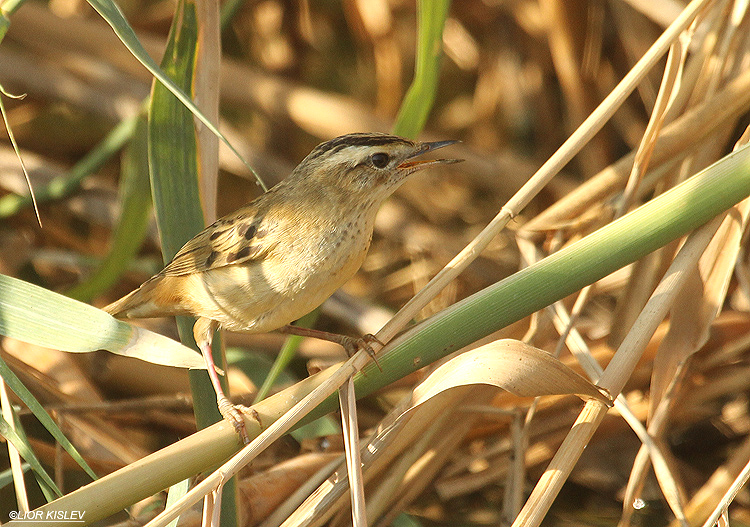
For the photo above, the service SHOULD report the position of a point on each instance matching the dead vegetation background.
(518, 77)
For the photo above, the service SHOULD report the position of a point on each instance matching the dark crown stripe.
(359, 139)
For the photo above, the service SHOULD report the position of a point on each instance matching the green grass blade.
(27, 454)
(6, 476)
(7, 8)
(285, 356)
(620, 243)
(64, 186)
(15, 384)
(41, 477)
(652, 225)
(14, 144)
(174, 169)
(173, 145)
(421, 95)
(111, 13)
(176, 491)
(36, 315)
(174, 151)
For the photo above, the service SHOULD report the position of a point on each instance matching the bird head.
(369, 164)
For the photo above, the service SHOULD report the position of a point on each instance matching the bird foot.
(234, 414)
(352, 345)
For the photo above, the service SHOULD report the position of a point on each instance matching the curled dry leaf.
(521, 369)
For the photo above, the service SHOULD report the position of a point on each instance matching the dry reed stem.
(547, 171)
(675, 138)
(592, 124)
(424, 471)
(675, 61)
(348, 402)
(287, 508)
(655, 452)
(273, 432)
(662, 12)
(397, 438)
(615, 375)
(720, 483)
(328, 498)
(722, 508)
(650, 268)
(206, 96)
(388, 484)
(716, 272)
(665, 367)
(263, 493)
(9, 415)
(565, 322)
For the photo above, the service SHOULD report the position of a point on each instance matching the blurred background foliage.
(517, 78)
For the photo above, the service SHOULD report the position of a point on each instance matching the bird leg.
(203, 331)
(350, 344)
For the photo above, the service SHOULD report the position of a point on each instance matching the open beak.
(424, 148)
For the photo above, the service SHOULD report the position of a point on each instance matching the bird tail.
(139, 303)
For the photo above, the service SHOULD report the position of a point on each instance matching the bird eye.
(380, 159)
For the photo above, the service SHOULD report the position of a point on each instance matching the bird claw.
(234, 414)
(352, 345)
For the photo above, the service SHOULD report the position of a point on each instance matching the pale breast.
(287, 284)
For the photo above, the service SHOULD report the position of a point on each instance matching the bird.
(277, 258)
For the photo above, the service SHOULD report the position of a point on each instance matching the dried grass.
(518, 78)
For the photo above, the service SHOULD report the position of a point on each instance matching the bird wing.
(234, 239)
